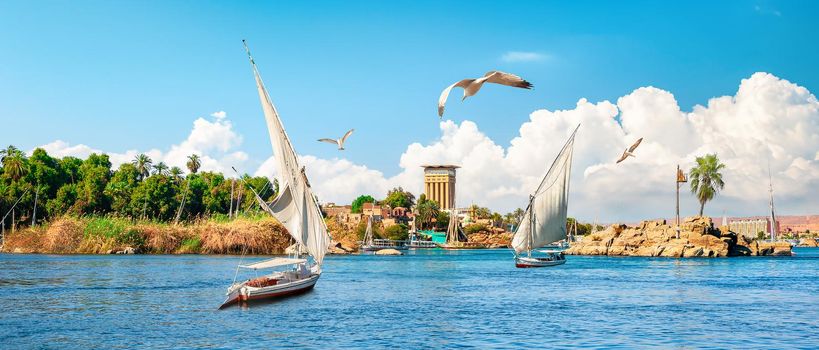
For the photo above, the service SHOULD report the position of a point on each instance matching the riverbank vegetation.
(41, 187)
(248, 233)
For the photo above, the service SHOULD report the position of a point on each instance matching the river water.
(424, 299)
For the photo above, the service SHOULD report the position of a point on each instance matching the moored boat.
(544, 221)
(456, 239)
(370, 244)
(297, 210)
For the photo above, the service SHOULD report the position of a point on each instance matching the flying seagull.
(471, 86)
(339, 142)
(629, 152)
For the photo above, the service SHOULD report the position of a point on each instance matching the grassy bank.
(104, 235)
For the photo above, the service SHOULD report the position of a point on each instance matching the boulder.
(693, 252)
(774, 248)
(388, 251)
(673, 251)
(808, 242)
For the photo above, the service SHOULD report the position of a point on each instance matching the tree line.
(45, 187)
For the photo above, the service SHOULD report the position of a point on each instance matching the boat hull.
(245, 293)
(373, 248)
(461, 246)
(527, 262)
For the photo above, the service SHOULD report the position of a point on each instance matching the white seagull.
(471, 86)
(339, 142)
(629, 152)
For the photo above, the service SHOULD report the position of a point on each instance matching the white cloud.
(768, 120)
(522, 56)
(214, 141)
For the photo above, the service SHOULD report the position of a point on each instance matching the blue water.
(426, 299)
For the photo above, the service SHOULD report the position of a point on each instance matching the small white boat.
(551, 259)
(296, 209)
(544, 221)
(298, 279)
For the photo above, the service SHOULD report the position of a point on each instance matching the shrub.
(474, 228)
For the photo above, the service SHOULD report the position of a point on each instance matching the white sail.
(368, 235)
(453, 231)
(544, 221)
(295, 207)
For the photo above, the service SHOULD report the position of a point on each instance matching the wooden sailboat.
(544, 221)
(370, 243)
(296, 208)
(455, 236)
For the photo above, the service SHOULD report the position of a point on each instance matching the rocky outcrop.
(491, 237)
(808, 242)
(389, 251)
(698, 238)
(339, 248)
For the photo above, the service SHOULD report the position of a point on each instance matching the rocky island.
(698, 238)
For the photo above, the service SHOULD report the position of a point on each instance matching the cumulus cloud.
(767, 121)
(523, 56)
(214, 140)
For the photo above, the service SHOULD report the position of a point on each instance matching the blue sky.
(118, 75)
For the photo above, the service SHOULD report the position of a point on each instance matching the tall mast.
(773, 216)
(531, 225)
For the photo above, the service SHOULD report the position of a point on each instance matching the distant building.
(439, 184)
(378, 212)
(751, 227)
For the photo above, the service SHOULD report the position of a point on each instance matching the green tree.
(161, 169)
(95, 172)
(175, 173)
(397, 197)
(426, 212)
(64, 202)
(15, 164)
(143, 164)
(194, 163)
(442, 220)
(70, 167)
(121, 187)
(156, 196)
(358, 203)
(397, 232)
(706, 179)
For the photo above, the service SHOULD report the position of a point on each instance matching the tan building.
(439, 184)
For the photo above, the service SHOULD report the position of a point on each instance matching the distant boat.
(455, 237)
(544, 221)
(296, 208)
(415, 241)
(370, 244)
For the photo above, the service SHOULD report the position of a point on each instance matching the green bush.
(191, 245)
(474, 228)
(397, 232)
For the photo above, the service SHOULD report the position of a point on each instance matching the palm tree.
(194, 163)
(518, 213)
(14, 163)
(143, 165)
(176, 173)
(427, 210)
(706, 179)
(8, 152)
(161, 169)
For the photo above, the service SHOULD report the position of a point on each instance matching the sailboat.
(297, 210)
(371, 244)
(455, 236)
(544, 220)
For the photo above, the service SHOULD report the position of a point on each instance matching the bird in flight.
(339, 142)
(629, 152)
(471, 86)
